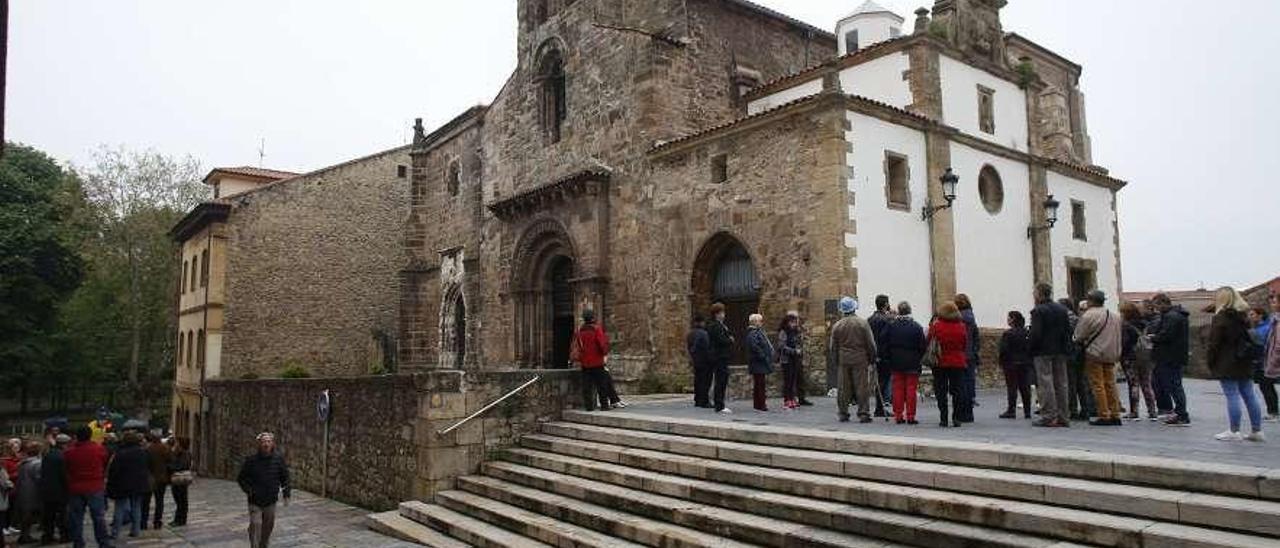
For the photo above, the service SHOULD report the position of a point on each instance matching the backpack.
(575, 349)
(1250, 348)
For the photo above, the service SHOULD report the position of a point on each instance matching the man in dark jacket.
(53, 492)
(1170, 347)
(128, 483)
(879, 321)
(159, 453)
(721, 349)
(263, 477)
(1050, 346)
(699, 346)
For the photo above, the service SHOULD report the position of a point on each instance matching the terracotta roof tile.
(664, 144)
(257, 172)
(873, 48)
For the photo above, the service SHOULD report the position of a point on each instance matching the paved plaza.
(1205, 403)
(218, 518)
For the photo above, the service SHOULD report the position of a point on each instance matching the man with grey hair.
(1098, 332)
(264, 476)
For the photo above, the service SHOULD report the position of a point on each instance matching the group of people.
(1068, 353)
(53, 482)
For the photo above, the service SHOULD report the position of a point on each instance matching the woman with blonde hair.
(1230, 360)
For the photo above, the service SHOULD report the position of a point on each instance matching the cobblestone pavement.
(1206, 406)
(219, 518)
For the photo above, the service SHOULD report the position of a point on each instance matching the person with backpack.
(1230, 354)
(1135, 359)
(589, 347)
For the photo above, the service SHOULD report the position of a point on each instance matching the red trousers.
(904, 395)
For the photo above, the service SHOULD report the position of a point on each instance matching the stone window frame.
(1080, 263)
(993, 204)
(204, 268)
(719, 168)
(1079, 226)
(191, 339)
(899, 205)
(195, 266)
(183, 282)
(986, 110)
(200, 348)
(552, 94)
(182, 342)
(402, 171)
(453, 176)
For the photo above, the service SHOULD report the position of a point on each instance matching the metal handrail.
(488, 407)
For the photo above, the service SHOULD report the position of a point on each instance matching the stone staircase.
(626, 479)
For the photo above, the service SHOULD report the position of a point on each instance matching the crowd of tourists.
(50, 484)
(1065, 353)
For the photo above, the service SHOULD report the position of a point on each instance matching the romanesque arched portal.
(724, 272)
(542, 282)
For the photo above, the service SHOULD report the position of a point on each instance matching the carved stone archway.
(543, 272)
(724, 271)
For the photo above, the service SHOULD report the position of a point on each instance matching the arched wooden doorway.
(453, 330)
(542, 281)
(724, 272)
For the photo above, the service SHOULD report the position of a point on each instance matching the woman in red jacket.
(589, 348)
(948, 375)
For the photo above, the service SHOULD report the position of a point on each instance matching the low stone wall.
(383, 441)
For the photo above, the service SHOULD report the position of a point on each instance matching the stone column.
(942, 242)
(1041, 244)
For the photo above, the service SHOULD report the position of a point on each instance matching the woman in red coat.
(589, 348)
(948, 376)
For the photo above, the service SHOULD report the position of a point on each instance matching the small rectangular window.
(204, 268)
(897, 177)
(719, 168)
(851, 41)
(1077, 221)
(402, 171)
(986, 109)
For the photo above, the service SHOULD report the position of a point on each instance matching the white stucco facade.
(873, 24)
(812, 87)
(960, 103)
(1099, 244)
(892, 244)
(994, 264)
(879, 79)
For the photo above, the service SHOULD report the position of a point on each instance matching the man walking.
(721, 348)
(699, 346)
(1098, 332)
(264, 476)
(86, 464)
(1170, 347)
(1050, 347)
(879, 322)
(53, 492)
(855, 348)
(159, 460)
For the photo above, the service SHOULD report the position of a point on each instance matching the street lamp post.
(948, 181)
(1050, 217)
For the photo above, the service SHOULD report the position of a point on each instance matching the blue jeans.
(1237, 390)
(131, 507)
(1169, 378)
(97, 505)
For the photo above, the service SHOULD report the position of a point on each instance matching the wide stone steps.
(816, 511)
(720, 522)
(1200, 477)
(628, 480)
(711, 456)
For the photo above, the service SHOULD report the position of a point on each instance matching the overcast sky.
(1182, 96)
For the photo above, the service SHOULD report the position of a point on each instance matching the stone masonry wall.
(384, 446)
(312, 275)
(372, 457)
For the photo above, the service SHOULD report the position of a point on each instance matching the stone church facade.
(648, 158)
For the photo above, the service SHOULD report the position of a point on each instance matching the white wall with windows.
(892, 243)
(1099, 234)
(960, 104)
(879, 79)
(993, 254)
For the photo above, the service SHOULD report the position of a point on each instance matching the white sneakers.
(725, 411)
(1228, 436)
(1236, 436)
(620, 404)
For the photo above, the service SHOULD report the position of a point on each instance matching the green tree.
(137, 196)
(39, 266)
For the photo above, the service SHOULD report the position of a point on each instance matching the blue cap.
(848, 305)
